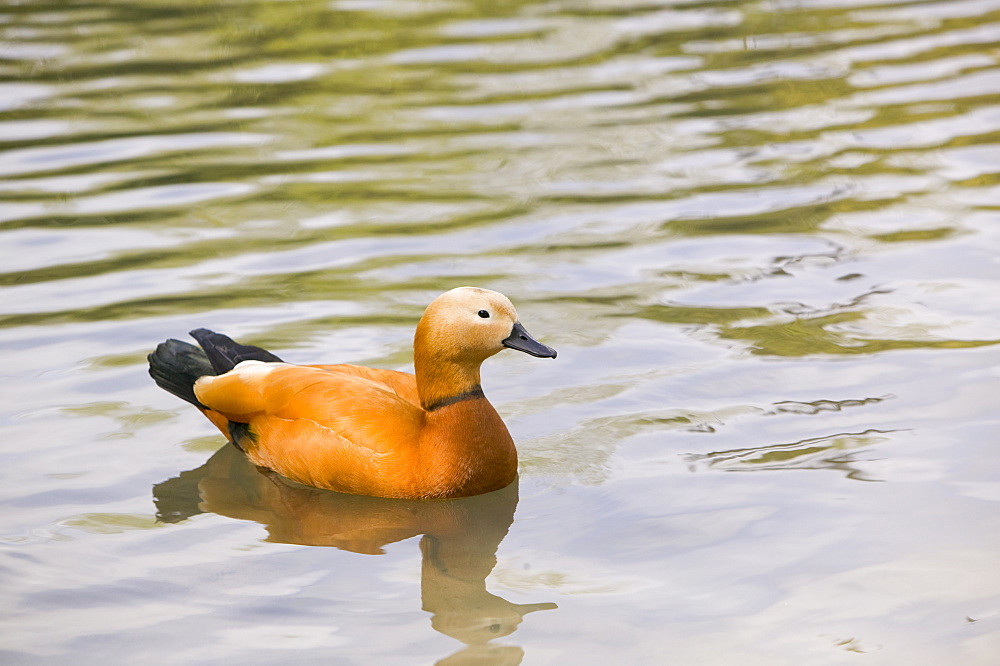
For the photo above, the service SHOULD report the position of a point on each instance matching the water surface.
(763, 236)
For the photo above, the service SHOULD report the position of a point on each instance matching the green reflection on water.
(803, 337)
(112, 523)
(835, 452)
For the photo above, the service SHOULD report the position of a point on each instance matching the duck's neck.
(443, 382)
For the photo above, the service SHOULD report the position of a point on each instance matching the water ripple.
(762, 235)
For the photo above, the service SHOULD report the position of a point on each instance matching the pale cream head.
(466, 324)
(460, 329)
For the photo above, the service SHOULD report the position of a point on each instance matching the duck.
(430, 434)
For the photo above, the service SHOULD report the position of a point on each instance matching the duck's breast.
(465, 449)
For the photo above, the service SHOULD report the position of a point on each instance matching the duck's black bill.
(521, 340)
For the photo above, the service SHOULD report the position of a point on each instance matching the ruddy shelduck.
(431, 434)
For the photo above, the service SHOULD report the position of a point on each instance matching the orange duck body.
(432, 434)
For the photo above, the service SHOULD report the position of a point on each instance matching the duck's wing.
(364, 412)
(403, 384)
(325, 429)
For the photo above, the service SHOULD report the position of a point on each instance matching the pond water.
(764, 237)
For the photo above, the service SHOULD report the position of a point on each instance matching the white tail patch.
(256, 370)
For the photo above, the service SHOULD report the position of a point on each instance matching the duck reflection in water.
(458, 544)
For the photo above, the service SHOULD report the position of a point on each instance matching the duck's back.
(403, 384)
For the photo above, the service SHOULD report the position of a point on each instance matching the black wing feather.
(224, 353)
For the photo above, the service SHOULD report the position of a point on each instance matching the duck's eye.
(484, 314)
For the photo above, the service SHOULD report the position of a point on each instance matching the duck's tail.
(175, 366)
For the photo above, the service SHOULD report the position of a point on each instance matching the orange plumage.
(362, 430)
